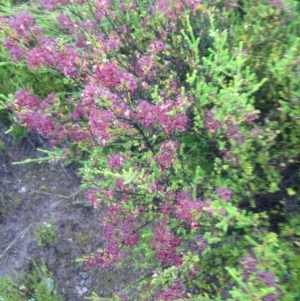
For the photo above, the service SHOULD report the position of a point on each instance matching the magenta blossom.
(115, 161)
(224, 193)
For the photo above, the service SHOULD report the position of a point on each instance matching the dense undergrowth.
(184, 116)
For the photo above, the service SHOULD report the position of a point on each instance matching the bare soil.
(34, 193)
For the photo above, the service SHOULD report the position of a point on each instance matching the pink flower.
(211, 123)
(175, 291)
(224, 193)
(146, 113)
(144, 65)
(198, 244)
(17, 52)
(277, 3)
(165, 244)
(21, 24)
(66, 23)
(92, 197)
(157, 46)
(188, 209)
(115, 161)
(99, 123)
(51, 5)
(24, 99)
(167, 154)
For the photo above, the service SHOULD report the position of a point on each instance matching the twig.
(58, 195)
(9, 246)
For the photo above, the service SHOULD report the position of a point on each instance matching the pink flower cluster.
(92, 197)
(166, 114)
(77, 132)
(194, 271)
(175, 291)
(157, 46)
(211, 123)
(51, 5)
(198, 244)
(250, 266)
(232, 5)
(118, 229)
(147, 114)
(109, 76)
(24, 29)
(230, 128)
(38, 122)
(92, 93)
(233, 131)
(21, 24)
(107, 257)
(269, 281)
(66, 23)
(47, 53)
(224, 193)
(145, 67)
(165, 245)
(188, 209)
(17, 52)
(128, 232)
(172, 9)
(115, 161)
(99, 123)
(34, 113)
(277, 4)
(229, 156)
(25, 100)
(167, 154)
(44, 54)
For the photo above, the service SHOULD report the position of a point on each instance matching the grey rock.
(88, 282)
(83, 275)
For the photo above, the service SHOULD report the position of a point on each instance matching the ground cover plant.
(45, 234)
(184, 116)
(36, 286)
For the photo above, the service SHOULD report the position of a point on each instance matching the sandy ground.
(33, 193)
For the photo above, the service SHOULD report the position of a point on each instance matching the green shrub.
(45, 234)
(186, 125)
(36, 286)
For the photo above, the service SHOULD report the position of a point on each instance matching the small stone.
(88, 282)
(82, 282)
(84, 290)
(83, 275)
(23, 189)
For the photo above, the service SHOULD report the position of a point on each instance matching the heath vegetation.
(184, 117)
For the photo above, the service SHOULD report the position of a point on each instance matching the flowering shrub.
(184, 116)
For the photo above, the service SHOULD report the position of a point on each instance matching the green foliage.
(16, 74)
(45, 234)
(36, 286)
(239, 67)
